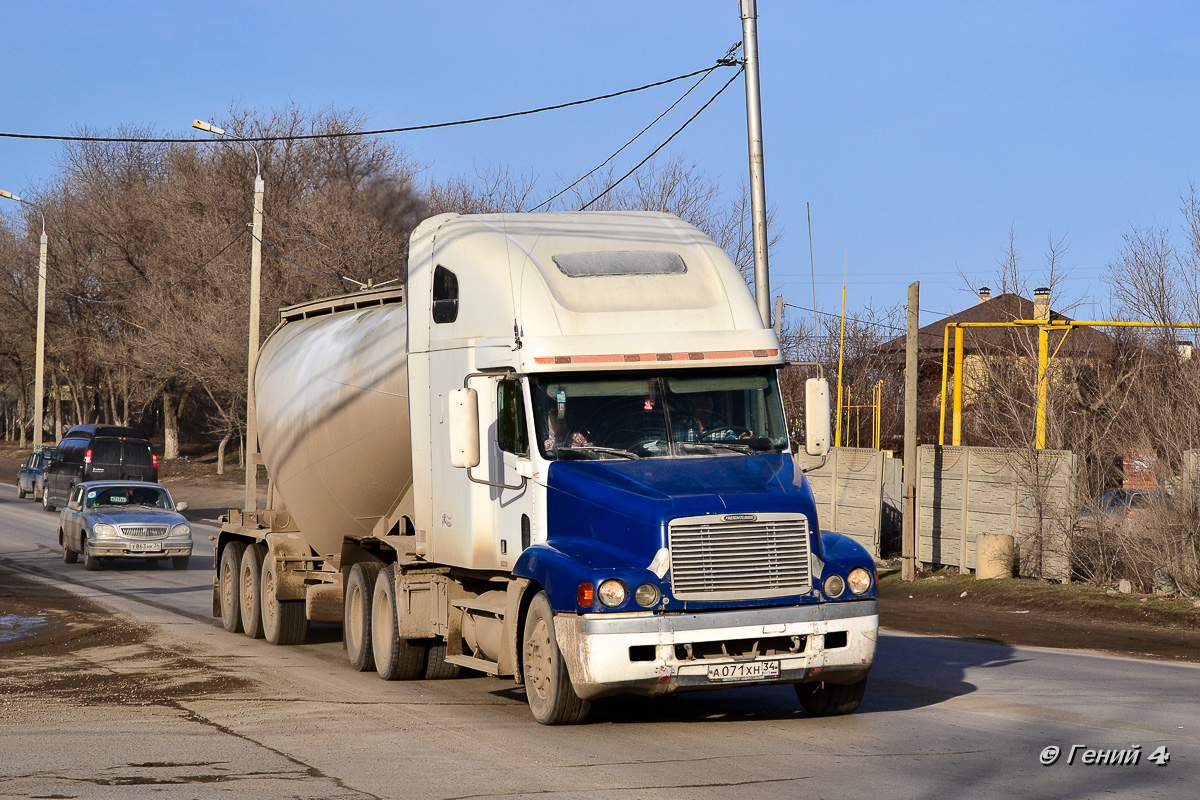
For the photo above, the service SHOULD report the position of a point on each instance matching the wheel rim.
(381, 618)
(248, 578)
(537, 659)
(268, 600)
(227, 585)
(354, 619)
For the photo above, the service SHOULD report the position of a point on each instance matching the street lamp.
(252, 456)
(39, 368)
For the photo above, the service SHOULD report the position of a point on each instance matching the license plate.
(749, 671)
(145, 547)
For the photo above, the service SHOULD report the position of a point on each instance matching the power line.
(277, 252)
(723, 62)
(603, 163)
(664, 144)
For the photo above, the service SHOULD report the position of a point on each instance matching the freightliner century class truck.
(558, 453)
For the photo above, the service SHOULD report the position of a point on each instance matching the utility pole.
(758, 191)
(908, 536)
(252, 455)
(39, 369)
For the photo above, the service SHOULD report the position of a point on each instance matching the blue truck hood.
(612, 515)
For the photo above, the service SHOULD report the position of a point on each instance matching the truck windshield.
(658, 415)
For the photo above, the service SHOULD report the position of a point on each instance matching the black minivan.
(95, 453)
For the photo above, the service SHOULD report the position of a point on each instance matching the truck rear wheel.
(552, 699)
(250, 589)
(227, 586)
(356, 617)
(283, 621)
(830, 699)
(436, 666)
(395, 658)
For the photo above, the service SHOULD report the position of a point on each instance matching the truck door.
(508, 462)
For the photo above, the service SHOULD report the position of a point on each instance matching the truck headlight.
(102, 531)
(612, 593)
(859, 580)
(834, 586)
(181, 531)
(646, 595)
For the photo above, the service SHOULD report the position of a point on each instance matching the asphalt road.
(942, 718)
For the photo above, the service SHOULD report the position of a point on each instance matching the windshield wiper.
(615, 451)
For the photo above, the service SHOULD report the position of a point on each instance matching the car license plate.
(145, 547)
(748, 671)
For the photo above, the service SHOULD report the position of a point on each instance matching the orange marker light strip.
(586, 595)
(714, 355)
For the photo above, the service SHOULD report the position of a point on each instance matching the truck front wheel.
(356, 616)
(227, 586)
(830, 699)
(396, 659)
(552, 699)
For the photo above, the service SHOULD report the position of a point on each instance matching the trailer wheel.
(830, 699)
(250, 589)
(436, 666)
(227, 579)
(547, 686)
(356, 617)
(283, 621)
(395, 658)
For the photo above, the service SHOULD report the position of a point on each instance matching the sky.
(920, 135)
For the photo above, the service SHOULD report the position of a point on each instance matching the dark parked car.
(123, 519)
(32, 474)
(97, 452)
(1123, 502)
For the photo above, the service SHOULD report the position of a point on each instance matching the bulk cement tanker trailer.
(559, 454)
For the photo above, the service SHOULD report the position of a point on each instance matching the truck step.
(488, 605)
(479, 664)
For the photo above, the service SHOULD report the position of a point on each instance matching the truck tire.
(356, 616)
(249, 586)
(396, 659)
(227, 586)
(436, 666)
(547, 685)
(830, 699)
(283, 621)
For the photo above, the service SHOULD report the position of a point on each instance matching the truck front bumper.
(653, 654)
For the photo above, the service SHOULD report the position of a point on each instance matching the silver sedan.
(123, 519)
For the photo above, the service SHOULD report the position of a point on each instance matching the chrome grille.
(142, 531)
(715, 559)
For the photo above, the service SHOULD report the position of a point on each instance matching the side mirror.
(463, 418)
(181, 506)
(816, 416)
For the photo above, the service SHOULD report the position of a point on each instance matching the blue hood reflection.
(613, 514)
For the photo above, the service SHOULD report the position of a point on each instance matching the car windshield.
(668, 414)
(128, 496)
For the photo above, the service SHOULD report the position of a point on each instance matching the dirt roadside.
(1009, 612)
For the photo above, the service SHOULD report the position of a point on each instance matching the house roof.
(1002, 308)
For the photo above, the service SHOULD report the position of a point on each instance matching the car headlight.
(612, 593)
(859, 580)
(834, 586)
(646, 595)
(103, 531)
(181, 531)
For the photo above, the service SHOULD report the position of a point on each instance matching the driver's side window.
(510, 412)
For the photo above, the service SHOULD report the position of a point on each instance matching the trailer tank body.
(332, 402)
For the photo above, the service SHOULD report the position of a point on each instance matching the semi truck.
(557, 453)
